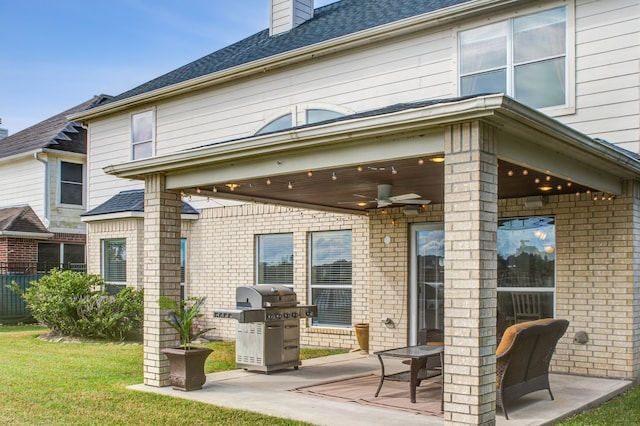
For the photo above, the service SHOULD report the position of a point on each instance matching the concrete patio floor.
(271, 394)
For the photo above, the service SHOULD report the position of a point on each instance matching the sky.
(56, 54)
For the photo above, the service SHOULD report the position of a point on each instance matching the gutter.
(29, 235)
(36, 155)
(324, 48)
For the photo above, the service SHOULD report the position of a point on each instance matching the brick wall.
(597, 278)
(221, 257)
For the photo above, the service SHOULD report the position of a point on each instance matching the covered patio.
(267, 394)
(465, 155)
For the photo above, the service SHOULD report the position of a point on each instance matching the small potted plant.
(186, 362)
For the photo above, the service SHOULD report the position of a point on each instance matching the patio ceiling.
(338, 165)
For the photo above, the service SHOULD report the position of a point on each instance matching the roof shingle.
(129, 201)
(55, 132)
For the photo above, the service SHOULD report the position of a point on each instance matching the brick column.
(162, 209)
(470, 194)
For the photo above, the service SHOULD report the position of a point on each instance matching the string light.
(393, 171)
(421, 161)
(510, 172)
(309, 173)
(268, 181)
(359, 168)
(215, 189)
(198, 190)
(290, 185)
(525, 172)
(333, 176)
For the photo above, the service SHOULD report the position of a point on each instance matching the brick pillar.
(470, 197)
(162, 209)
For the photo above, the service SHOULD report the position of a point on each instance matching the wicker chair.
(523, 358)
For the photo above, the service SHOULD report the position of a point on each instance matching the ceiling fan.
(385, 198)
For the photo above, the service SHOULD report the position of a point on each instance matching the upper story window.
(274, 254)
(286, 121)
(71, 187)
(280, 123)
(524, 57)
(142, 135)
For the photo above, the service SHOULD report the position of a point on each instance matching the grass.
(623, 410)
(48, 383)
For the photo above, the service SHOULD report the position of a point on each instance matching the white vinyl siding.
(607, 68)
(30, 174)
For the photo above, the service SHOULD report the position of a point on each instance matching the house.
(438, 158)
(42, 173)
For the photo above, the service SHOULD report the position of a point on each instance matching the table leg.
(381, 375)
(415, 369)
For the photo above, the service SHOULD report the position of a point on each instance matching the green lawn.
(47, 383)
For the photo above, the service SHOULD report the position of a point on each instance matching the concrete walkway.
(271, 394)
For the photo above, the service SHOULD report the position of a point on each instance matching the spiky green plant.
(182, 316)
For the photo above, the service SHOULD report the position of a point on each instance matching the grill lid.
(265, 295)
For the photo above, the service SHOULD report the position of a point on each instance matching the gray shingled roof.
(55, 132)
(21, 219)
(129, 201)
(329, 22)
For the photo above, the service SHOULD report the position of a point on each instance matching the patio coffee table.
(418, 356)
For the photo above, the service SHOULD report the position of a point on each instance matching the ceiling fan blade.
(403, 197)
(384, 203)
(416, 202)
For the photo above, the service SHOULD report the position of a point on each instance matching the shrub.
(75, 304)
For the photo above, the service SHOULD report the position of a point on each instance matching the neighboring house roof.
(19, 220)
(56, 132)
(329, 22)
(129, 201)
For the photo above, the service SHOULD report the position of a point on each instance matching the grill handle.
(280, 304)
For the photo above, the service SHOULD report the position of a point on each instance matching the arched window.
(312, 115)
(281, 123)
(318, 115)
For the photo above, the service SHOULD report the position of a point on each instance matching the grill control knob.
(278, 316)
(294, 315)
(286, 315)
(308, 313)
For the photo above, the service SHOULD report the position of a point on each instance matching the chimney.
(3, 132)
(288, 14)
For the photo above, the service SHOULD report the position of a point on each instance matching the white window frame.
(81, 184)
(315, 321)
(258, 256)
(570, 52)
(103, 259)
(151, 141)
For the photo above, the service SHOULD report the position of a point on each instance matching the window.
(312, 115)
(318, 115)
(280, 123)
(526, 269)
(330, 264)
(70, 183)
(61, 255)
(142, 135)
(114, 261)
(524, 57)
(274, 254)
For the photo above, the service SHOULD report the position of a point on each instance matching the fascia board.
(28, 235)
(129, 215)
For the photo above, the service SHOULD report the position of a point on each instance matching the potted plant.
(186, 363)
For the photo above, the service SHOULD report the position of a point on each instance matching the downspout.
(36, 155)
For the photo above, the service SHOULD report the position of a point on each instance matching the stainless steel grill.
(268, 329)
